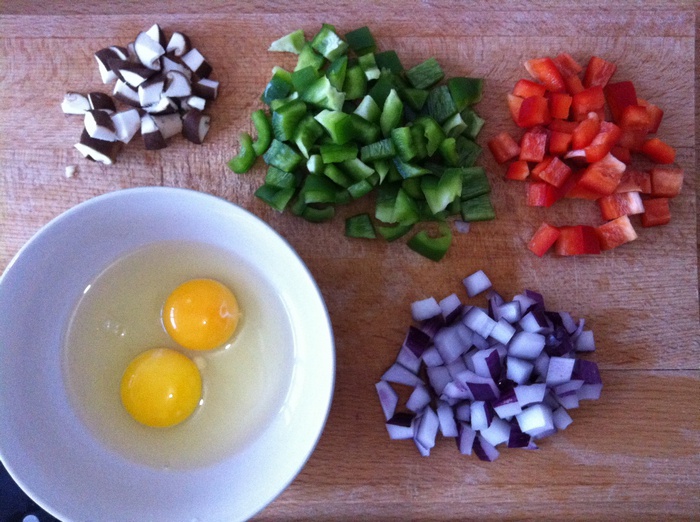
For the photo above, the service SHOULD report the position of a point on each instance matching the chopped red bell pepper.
(534, 111)
(518, 170)
(504, 147)
(620, 204)
(556, 172)
(666, 182)
(559, 142)
(537, 169)
(655, 113)
(585, 132)
(636, 117)
(656, 212)
(598, 72)
(526, 88)
(579, 191)
(635, 181)
(577, 240)
(622, 153)
(514, 104)
(603, 142)
(586, 101)
(540, 194)
(615, 233)
(533, 144)
(559, 105)
(567, 65)
(573, 84)
(632, 139)
(545, 71)
(543, 239)
(658, 151)
(563, 126)
(620, 95)
(603, 176)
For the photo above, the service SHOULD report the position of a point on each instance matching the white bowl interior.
(43, 444)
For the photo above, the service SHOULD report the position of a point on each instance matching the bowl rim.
(258, 222)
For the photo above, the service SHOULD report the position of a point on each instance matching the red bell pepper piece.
(620, 204)
(615, 233)
(577, 240)
(603, 176)
(556, 172)
(598, 72)
(603, 142)
(543, 239)
(562, 126)
(559, 105)
(533, 144)
(567, 65)
(537, 169)
(585, 132)
(514, 104)
(503, 147)
(518, 170)
(526, 88)
(622, 153)
(632, 139)
(655, 113)
(534, 111)
(588, 100)
(540, 194)
(545, 71)
(620, 95)
(559, 143)
(573, 84)
(656, 212)
(636, 117)
(635, 181)
(659, 151)
(666, 182)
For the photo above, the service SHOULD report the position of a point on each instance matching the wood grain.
(633, 454)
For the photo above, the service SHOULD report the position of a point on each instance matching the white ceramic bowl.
(60, 463)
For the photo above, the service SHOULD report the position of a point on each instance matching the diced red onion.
(560, 370)
(463, 411)
(484, 450)
(569, 400)
(585, 342)
(416, 340)
(586, 371)
(446, 418)
(427, 428)
(507, 405)
(482, 414)
(487, 363)
(462, 226)
(541, 365)
(517, 438)
(590, 391)
(561, 418)
(526, 345)
(432, 325)
(408, 360)
(483, 388)
(465, 438)
(401, 375)
(388, 398)
(568, 322)
(530, 393)
(465, 334)
(419, 399)
(438, 376)
(401, 426)
(456, 367)
(535, 419)
(479, 342)
(450, 307)
(509, 311)
(455, 391)
(425, 452)
(449, 344)
(518, 371)
(497, 433)
(431, 357)
(476, 283)
(536, 297)
(479, 322)
(425, 309)
(526, 303)
(568, 387)
(503, 332)
(535, 321)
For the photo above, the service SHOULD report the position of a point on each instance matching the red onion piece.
(425, 309)
(484, 450)
(419, 399)
(388, 398)
(476, 283)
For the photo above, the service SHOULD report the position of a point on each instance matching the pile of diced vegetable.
(348, 121)
(504, 374)
(573, 148)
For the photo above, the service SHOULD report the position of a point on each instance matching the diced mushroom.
(70, 171)
(133, 74)
(195, 102)
(126, 124)
(99, 125)
(151, 90)
(126, 94)
(157, 34)
(149, 51)
(132, 57)
(103, 57)
(176, 85)
(178, 45)
(206, 88)
(100, 101)
(75, 103)
(164, 105)
(197, 64)
(171, 63)
(169, 125)
(152, 137)
(195, 125)
(98, 150)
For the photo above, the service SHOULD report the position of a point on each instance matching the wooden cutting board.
(633, 453)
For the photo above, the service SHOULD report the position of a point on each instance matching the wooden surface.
(635, 453)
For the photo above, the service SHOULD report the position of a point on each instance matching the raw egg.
(161, 387)
(201, 314)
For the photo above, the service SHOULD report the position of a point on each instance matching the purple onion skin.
(587, 371)
(536, 296)
(517, 438)
(417, 340)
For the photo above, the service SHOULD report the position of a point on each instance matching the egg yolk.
(161, 387)
(201, 314)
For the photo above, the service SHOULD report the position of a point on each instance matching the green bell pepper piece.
(355, 84)
(328, 43)
(276, 197)
(360, 226)
(333, 153)
(286, 119)
(361, 41)
(263, 128)
(465, 91)
(439, 104)
(246, 156)
(425, 74)
(389, 60)
(478, 209)
(392, 113)
(434, 248)
(291, 43)
(282, 156)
